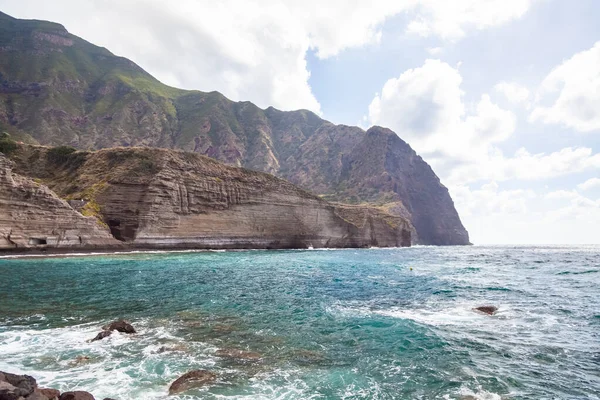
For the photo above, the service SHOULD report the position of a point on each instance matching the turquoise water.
(340, 324)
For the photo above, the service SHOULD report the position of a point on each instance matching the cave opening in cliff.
(37, 241)
(115, 229)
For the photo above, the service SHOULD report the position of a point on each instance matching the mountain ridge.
(75, 93)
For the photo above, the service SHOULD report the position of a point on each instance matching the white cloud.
(493, 215)
(451, 19)
(434, 51)
(490, 124)
(580, 208)
(512, 91)
(561, 194)
(421, 103)
(526, 166)
(251, 50)
(489, 200)
(589, 184)
(425, 107)
(570, 94)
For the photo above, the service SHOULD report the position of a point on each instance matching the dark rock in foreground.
(490, 310)
(16, 386)
(33, 396)
(76, 395)
(50, 394)
(192, 379)
(24, 387)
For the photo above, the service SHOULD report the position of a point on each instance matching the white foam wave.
(128, 367)
(461, 314)
(479, 394)
(121, 366)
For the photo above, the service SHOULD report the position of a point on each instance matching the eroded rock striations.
(31, 216)
(158, 198)
(57, 89)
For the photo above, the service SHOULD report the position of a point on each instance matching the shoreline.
(65, 253)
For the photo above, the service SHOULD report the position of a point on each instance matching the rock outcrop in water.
(101, 335)
(120, 326)
(157, 198)
(191, 380)
(490, 310)
(58, 89)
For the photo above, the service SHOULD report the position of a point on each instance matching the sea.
(394, 323)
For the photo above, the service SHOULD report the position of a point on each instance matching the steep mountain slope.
(158, 198)
(57, 89)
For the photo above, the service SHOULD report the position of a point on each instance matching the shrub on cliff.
(7, 144)
(60, 154)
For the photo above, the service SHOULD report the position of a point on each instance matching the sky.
(500, 97)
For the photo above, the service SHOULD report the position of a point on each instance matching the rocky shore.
(25, 387)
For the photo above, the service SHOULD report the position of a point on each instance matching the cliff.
(158, 198)
(31, 216)
(58, 89)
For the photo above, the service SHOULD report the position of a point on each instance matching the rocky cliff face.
(156, 198)
(32, 216)
(57, 89)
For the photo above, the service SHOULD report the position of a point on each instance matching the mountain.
(158, 198)
(58, 89)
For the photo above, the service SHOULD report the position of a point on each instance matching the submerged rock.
(490, 310)
(81, 359)
(77, 395)
(192, 379)
(176, 347)
(102, 335)
(223, 328)
(304, 356)
(120, 326)
(238, 354)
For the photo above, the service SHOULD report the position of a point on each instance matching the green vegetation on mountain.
(57, 89)
(7, 144)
